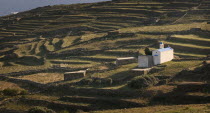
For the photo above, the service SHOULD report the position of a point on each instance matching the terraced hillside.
(38, 46)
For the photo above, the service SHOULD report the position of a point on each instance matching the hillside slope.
(39, 45)
(55, 31)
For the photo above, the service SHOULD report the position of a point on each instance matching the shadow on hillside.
(194, 90)
(189, 41)
(137, 41)
(135, 46)
(132, 23)
(18, 38)
(121, 78)
(109, 24)
(194, 50)
(97, 59)
(181, 96)
(26, 84)
(100, 103)
(121, 53)
(84, 51)
(135, 11)
(200, 33)
(63, 90)
(63, 62)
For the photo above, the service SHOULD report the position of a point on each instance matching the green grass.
(189, 54)
(43, 78)
(163, 28)
(118, 73)
(68, 40)
(173, 67)
(89, 25)
(194, 108)
(187, 45)
(16, 106)
(74, 62)
(17, 68)
(194, 37)
(48, 46)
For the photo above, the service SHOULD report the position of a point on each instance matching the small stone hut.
(137, 72)
(74, 75)
(125, 60)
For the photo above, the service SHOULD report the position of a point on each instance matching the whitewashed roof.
(165, 49)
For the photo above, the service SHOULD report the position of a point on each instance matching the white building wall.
(156, 57)
(162, 56)
(156, 60)
(166, 56)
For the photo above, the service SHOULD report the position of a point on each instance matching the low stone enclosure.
(74, 75)
(138, 71)
(145, 61)
(125, 60)
(113, 33)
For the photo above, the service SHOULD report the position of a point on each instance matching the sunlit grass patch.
(16, 106)
(8, 85)
(194, 108)
(69, 40)
(43, 78)
(17, 68)
(163, 28)
(116, 73)
(189, 54)
(187, 45)
(194, 37)
(173, 67)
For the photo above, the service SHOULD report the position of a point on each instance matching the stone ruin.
(74, 75)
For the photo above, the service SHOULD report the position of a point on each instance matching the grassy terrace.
(125, 22)
(43, 78)
(18, 68)
(184, 54)
(192, 37)
(196, 108)
(128, 17)
(173, 67)
(78, 37)
(163, 28)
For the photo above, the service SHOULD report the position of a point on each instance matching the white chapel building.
(158, 56)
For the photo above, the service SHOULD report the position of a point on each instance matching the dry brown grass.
(165, 28)
(156, 90)
(44, 78)
(6, 85)
(42, 97)
(16, 106)
(193, 108)
(17, 68)
(173, 67)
